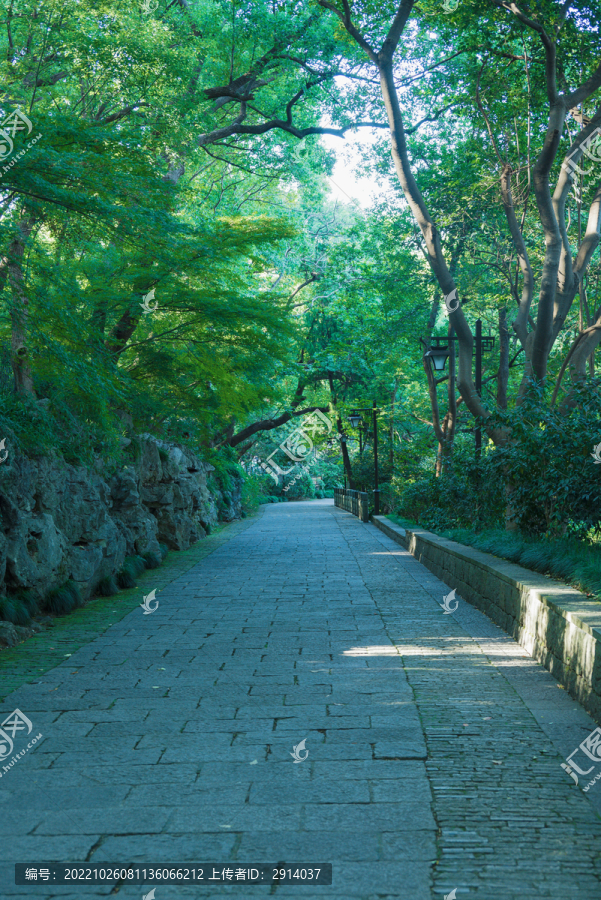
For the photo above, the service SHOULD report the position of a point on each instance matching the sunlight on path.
(299, 697)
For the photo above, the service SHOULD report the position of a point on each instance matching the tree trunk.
(503, 376)
(393, 401)
(450, 421)
(19, 307)
(345, 457)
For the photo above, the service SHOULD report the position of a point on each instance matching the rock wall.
(60, 522)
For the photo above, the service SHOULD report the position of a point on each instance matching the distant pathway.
(433, 741)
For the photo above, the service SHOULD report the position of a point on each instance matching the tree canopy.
(172, 259)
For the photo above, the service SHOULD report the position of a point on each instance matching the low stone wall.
(554, 623)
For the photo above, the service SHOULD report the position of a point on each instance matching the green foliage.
(252, 493)
(544, 478)
(138, 562)
(300, 487)
(470, 495)
(62, 600)
(570, 560)
(126, 577)
(108, 587)
(152, 561)
(547, 466)
(228, 471)
(14, 609)
(269, 294)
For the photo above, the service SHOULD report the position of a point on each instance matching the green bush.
(469, 495)
(132, 567)
(571, 559)
(108, 587)
(60, 425)
(13, 609)
(62, 600)
(300, 489)
(554, 486)
(152, 560)
(228, 472)
(252, 493)
(544, 479)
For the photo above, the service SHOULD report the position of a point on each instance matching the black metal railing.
(355, 502)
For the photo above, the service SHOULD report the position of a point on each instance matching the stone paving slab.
(433, 740)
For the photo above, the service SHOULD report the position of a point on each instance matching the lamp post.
(356, 421)
(438, 354)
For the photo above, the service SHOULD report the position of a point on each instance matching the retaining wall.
(555, 623)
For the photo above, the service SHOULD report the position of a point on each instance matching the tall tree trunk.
(450, 422)
(393, 401)
(503, 376)
(343, 446)
(19, 307)
(346, 461)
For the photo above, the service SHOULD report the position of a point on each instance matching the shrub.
(553, 483)
(130, 570)
(469, 495)
(62, 600)
(571, 560)
(152, 560)
(139, 563)
(252, 493)
(108, 587)
(301, 489)
(29, 601)
(13, 609)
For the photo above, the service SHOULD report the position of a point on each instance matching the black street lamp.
(356, 420)
(438, 354)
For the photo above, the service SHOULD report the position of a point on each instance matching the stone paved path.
(434, 741)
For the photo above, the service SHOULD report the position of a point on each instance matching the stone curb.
(556, 624)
